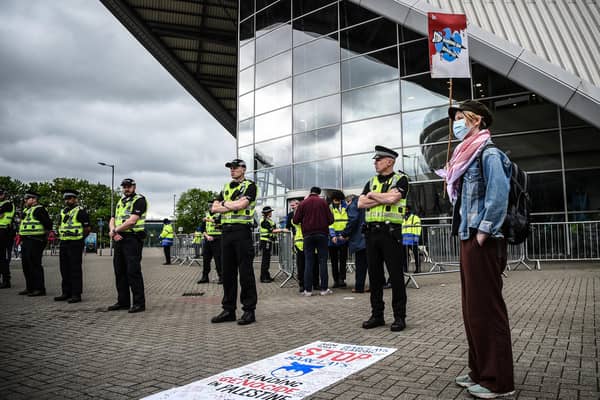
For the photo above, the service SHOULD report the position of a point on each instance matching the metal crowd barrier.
(183, 250)
(287, 257)
(564, 241)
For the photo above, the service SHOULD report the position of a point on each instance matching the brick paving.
(51, 350)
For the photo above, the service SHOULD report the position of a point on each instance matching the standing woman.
(478, 182)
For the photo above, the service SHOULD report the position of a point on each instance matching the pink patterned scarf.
(462, 157)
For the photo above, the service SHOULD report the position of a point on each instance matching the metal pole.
(112, 196)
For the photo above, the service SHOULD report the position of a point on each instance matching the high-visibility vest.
(392, 213)
(8, 216)
(123, 212)
(212, 228)
(340, 218)
(167, 232)
(70, 228)
(240, 217)
(31, 226)
(411, 230)
(267, 235)
(197, 238)
(298, 237)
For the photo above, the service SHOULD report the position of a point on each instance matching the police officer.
(197, 241)
(411, 233)
(338, 245)
(212, 246)
(127, 231)
(166, 237)
(7, 234)
(267, 237)
(73, 227)
(34, 228)
(384, 198)
(236, 206)
(296, 230)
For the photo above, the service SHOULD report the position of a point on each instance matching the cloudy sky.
(76, 88)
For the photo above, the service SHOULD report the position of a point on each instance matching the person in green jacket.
(166, 240)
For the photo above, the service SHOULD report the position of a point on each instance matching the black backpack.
(516, 224)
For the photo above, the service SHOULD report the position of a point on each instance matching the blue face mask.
(460, 129)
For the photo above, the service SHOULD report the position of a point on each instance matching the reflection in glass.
(318, 113)
(414, 57)
(246, 9)
(373, 68)
(316, 24)
(415, 164)
(425, 126)
(532, 151)
(316, 54)
(352, 14)
(371, 101)
(246, 31)
(246, 106)
(428, 200)
(581, 147)
(583, 194)
(546, 192)
(275, 42)
(421, 91)
(368, 37)
(246, 82)
(273, 153)
(358, 170)
(317, 83)
(274, 96)
(246, 132)
(273, 124)
(487, 83)
(522, 113)
(325, 174)
(302, 7)
(247, 154)
(273, 182)
(246, 55)
(315, 145)
(362, 136)
(274, 69)
(273, 16)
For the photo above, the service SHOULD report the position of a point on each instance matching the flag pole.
(449, 130)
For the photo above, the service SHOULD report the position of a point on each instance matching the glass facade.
(321, 82)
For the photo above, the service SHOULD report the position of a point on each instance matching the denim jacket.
(484, 199)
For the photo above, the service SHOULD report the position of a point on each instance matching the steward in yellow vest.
(298, 241)
(236, 205)
(128, 232)
(411, 233)
(166, 237)
(35, 224)
(7, 235)
(212, 246)
(384, 198)
(338, 245)
(73, 227)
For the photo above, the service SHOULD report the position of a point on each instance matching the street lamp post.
(112, 194)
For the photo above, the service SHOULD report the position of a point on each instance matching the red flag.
(448, 47)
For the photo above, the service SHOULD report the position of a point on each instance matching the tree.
(192, 207)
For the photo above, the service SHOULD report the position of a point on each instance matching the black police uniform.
(212, 249)
(71, 260)
(7, 238)
(32, 248)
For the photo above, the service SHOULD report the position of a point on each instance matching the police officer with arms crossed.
(127, 230)
(7, 234)
(236, 206)
(74, 226)
(384, 198)
(34, 229)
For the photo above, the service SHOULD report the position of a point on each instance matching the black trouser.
(127, 263)
(31, 258)
(238, 252)
(385, 246)
(339, 257)
(70, 259)
(167, 251)
(360, 261)
(265, 262)
(415, 251)
(300, 262)
(6, 244)
(210, 250)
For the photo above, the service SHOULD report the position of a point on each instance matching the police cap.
(267, 209)
(70, 193)
(166, 221)
(381, 151)
(30, 194)
(475, 107)
(236, 162)
(127, 182)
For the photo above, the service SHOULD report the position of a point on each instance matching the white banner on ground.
(290, 375)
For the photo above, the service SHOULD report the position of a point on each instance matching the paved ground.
(62, 351)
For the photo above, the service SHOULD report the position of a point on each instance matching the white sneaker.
(326, 292)
(306, 294)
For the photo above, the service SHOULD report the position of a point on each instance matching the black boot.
(204, 279)
(5, 284)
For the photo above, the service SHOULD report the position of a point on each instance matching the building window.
(272, 125)
(325, 174)
(362, 136)
(316, 24)
(317, 83)
(317, 144)
(317, 113)
(371, 101)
